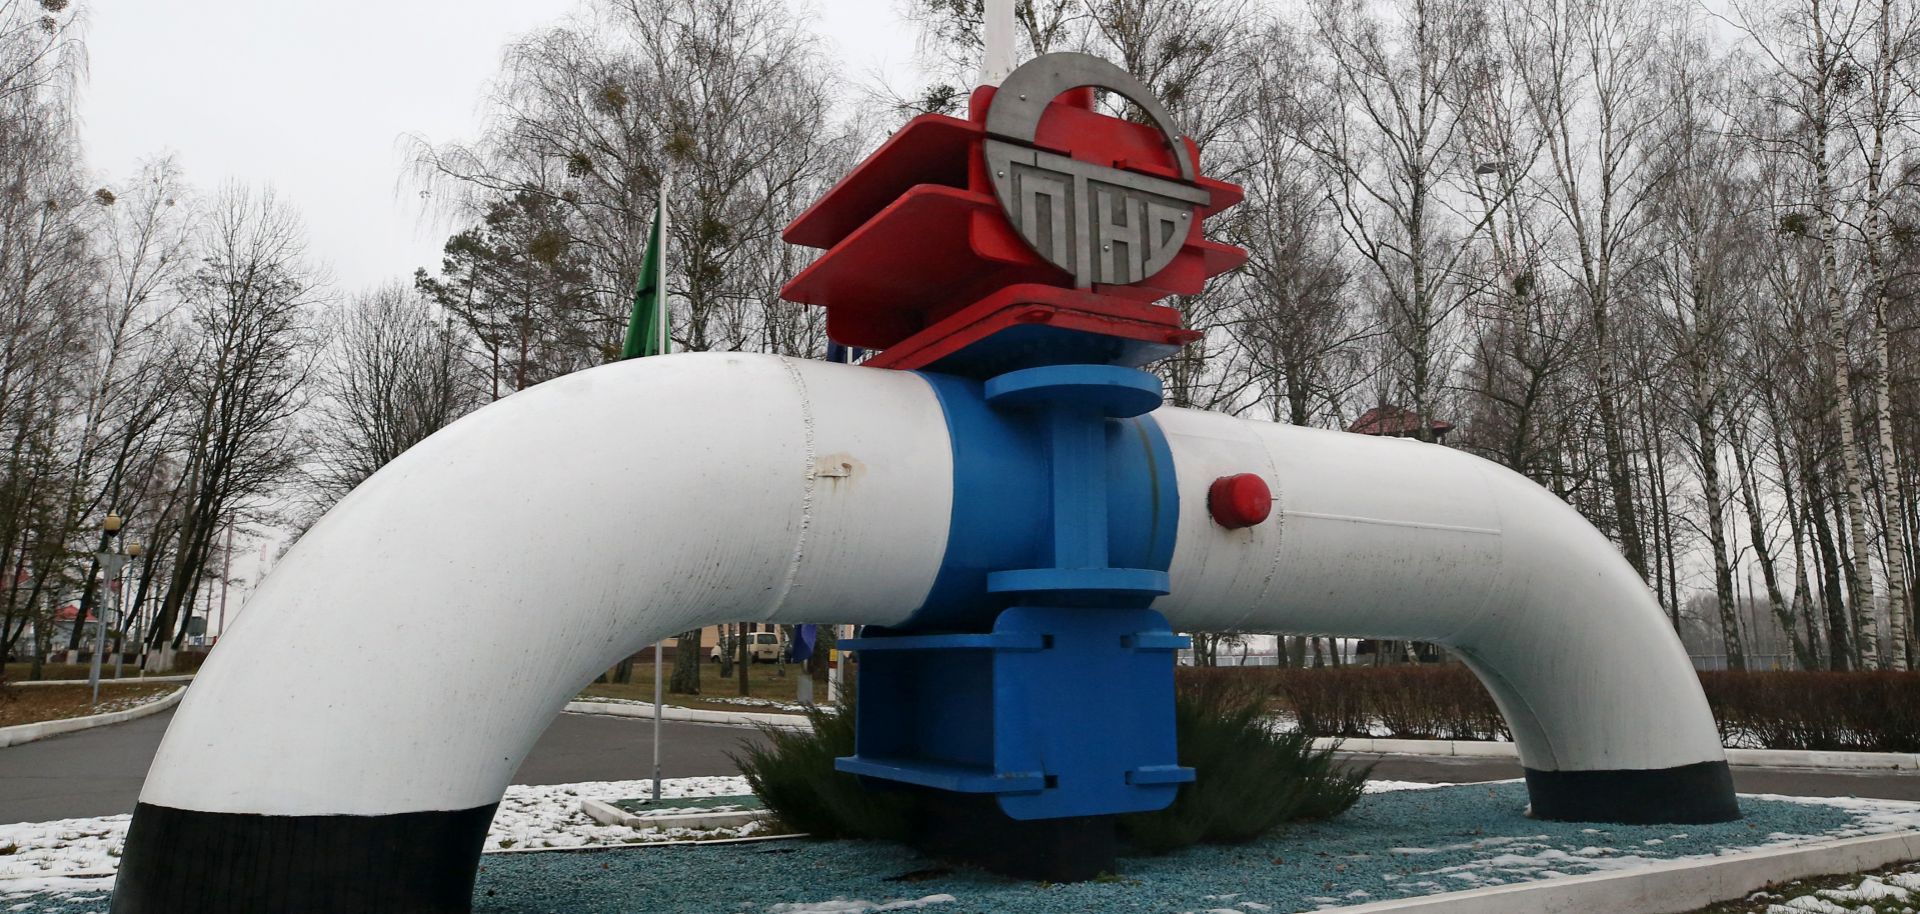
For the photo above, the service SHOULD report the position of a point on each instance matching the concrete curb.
(1666, 888)
(608, 814)
(27, 733)
(1445, 748)
(1739, 758)
(695, 715)
(130, 680)
(1790, 758)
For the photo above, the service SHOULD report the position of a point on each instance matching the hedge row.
(1863, 712)
(1404, 702)
(1867, 712)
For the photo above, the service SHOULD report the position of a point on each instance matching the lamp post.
(111, 562)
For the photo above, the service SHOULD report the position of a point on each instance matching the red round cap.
(1239, 501)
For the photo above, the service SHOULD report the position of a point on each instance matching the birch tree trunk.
(1827, 64)
(1880, 117)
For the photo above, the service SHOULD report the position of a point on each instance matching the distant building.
(64, 619)
(1394, 422)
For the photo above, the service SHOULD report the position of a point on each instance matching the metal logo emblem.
(1102, 224)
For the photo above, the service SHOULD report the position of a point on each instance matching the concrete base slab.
(1667, 888)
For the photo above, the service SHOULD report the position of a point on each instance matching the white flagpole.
(666, 187)
(657, 677)
(660, 312)
(998, 60)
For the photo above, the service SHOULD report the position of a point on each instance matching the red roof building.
(70, 612)
(1394, 422)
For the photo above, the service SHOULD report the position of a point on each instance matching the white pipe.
(489, 573)
(448, 607)
(394, 670)
(1393, 538)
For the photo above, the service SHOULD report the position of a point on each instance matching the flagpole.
(997, 61)
(657, 677)
(666, 303)
(660, 315)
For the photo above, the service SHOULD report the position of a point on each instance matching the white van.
(762, 647)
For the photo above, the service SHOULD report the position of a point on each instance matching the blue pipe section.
(1006, 519)
(1036, 671)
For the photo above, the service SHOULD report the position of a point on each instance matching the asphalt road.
(98, 772)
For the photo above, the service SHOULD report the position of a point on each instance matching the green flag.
(647, 329)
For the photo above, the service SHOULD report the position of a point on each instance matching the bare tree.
(47, 277)
(1291, 311)
(131, 386)
(1894, 30)
(1808, 44)
(394, 372)
(1702, 218)
(248, 300)
(730, 99)
(1392, 147)
(1586, 68)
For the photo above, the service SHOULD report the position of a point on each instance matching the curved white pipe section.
(409, 649)
(1392, 538)
(393, 671)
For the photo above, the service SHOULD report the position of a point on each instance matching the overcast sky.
(313, 96)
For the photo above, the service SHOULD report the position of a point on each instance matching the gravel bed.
(1391, 845)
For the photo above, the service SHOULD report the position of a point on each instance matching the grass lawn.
(18, 672)
(32, 704)
(763, 681)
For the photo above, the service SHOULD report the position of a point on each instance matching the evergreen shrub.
(1250, 777)
(793, 775)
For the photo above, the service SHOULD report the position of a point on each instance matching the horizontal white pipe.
(414, 644)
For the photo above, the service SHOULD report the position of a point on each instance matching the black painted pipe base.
(1688, 795)
(179, 861)
(972, 830)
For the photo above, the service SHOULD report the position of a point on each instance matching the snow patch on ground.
(749, 702)
(33, 852)
(127, 702)
(856, 906)
(550, 816)
(1876, 817)
(1390, 786)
